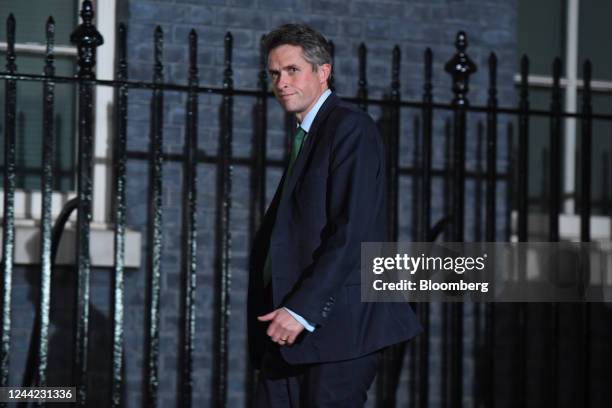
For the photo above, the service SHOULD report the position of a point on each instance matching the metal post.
(45, 219)
(490, 227)
(425, 218)
(87, 39)
(585, 224)
(554, 211)
(189, 233)
(155, 223)
(460, 67)
(523, 213)
(223, 236)
(119, 167)
(8, 222)
(362, 85)
(258, 184)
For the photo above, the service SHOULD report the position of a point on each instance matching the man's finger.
(267, 317)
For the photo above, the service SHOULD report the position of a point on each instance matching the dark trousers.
(342, 384)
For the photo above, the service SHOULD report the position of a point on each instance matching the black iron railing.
(423, 174)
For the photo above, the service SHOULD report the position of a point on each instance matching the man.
(316, 343)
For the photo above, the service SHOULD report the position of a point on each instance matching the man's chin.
(288, 108)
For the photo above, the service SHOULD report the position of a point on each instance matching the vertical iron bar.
(393, 163)
(605, 181)
(222, 283)
(585, 223)
(87, 38)
(554, 211)
(491, 187)
(555, 154)
(490, 228)
(425, 218)
(260, 146)
(586, 155)
(190, 245)
(444, 366)
(448, 171)
(460, 67)
(523, 213)
(119, 165)
(45, 218)
(362, 86)
(543, 200)
(477, 307)
(426, 149)
(8, 222)
(510, 181)
(523, 145)
(478, 185)
(258, 182)
(415, 233)
(155, 223)
(387, 381)
(332, 78)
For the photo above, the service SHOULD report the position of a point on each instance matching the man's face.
(296, 86)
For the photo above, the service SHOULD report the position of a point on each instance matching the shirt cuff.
(301, 320)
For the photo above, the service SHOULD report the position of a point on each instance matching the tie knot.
(299, 134)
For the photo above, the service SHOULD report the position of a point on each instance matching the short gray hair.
(315, 48)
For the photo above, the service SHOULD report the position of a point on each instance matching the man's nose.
(282, 80)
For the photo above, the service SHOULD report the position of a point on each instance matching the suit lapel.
(331, 101)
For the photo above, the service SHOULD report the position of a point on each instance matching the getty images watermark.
(486, 272)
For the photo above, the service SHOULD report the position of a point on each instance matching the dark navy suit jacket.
(333, 201)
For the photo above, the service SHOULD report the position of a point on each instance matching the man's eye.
(293, 70)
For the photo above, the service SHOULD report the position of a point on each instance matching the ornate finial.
(87, 38)
(193, 58)
(332, 52)
(428, 86)
(50, 33)
(460, 67)
(122, 52)
(524, 65)
(362, 85)
(557, 68)
(461, 42)
(395, 72)
(228, 82)
(524, 86)
(158, 68)
(87, 12)
(10, 39)
(263, 76)
(493, 69)
(587, 69)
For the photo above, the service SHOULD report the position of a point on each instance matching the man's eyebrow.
(283, 68)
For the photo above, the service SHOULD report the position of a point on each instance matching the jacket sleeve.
(355, 195)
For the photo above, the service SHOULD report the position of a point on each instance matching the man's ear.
(324, 71)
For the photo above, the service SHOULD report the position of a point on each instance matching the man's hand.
(283, 328)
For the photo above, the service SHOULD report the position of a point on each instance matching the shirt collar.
(309, 118)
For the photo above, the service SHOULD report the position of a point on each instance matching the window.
(573, 30)
(31, 17)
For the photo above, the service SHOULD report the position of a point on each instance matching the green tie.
(298, 138)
